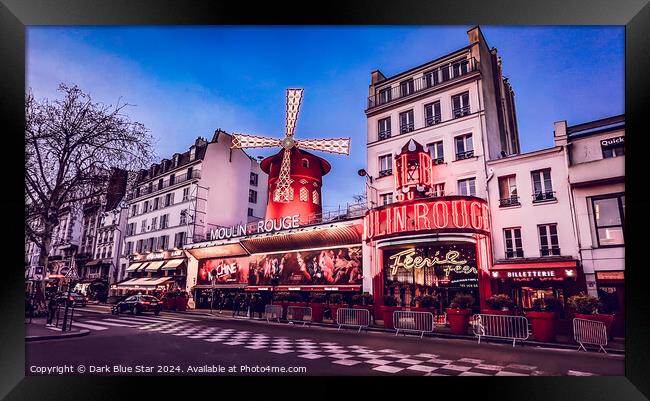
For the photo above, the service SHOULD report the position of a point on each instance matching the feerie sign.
(451, 213)
(262, 226)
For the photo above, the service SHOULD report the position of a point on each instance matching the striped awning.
(154, 266)
(173, 264)
(133, 267)
(144, 266)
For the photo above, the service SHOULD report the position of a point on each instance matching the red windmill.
(293, 170)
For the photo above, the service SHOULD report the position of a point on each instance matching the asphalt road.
(184, 344)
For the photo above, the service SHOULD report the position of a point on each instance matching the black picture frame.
(15, 15)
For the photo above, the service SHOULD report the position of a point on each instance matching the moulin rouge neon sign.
(415, 208)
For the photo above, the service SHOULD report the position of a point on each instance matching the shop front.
(154, 273)
(611, 291)
(219, 279)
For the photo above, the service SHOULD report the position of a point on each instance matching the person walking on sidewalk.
(236, 305)
(51, 309)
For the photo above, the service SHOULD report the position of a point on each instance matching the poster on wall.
(445, 265)
(340, 266)
(222, 271)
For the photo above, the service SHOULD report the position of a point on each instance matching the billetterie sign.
(262, 226)
(468, 214)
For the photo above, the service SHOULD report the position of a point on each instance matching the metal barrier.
(501, 326)
(592, 332)
(353, 318)
(273, 312)
(297, 314)
(413, 321)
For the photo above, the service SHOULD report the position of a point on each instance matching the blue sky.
(187, 81)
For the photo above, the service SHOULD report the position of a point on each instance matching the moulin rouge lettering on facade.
(262, 226)
(406, 260)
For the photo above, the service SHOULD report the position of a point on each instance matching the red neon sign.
(457, 213)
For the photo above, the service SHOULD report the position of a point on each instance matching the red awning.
(561, 264)
(324, 288)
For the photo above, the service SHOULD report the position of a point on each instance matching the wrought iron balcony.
(519, 253)
(544, 196)
(438, 160)
(436, 119)
(460, 112)
(464, 155)
(383, 135)
(166, 184)
(404, 128)
(451, 71)
(511, 201)
(384, 173)
(552, 251)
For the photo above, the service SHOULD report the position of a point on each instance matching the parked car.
(137, 304)
(74, 298)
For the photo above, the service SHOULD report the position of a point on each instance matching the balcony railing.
(384, 173)
(432, 120)
(511, 201)
(552, 251)
(519, 253)
(404, 128)
(438, 160)
(454, 70)
(460, 112)
(464, 155)
(543, 196)
(166, 184)
(383, 135)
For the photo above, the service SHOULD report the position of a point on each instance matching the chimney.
(474, 35)
(376, 77)
(560, 133)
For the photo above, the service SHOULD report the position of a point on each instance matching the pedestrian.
(236, 305)
(51, 309)
(259, 306)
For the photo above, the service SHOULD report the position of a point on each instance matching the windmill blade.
(336, 145)
(294, 98)
(283, 190)
(252, 141)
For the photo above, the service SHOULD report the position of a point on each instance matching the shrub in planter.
(364, 301)
(336, 302)
(458, 313)
(587, 307)
(543, 318)
(500, 302)
(317, 303)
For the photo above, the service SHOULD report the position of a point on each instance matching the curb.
(559, 346)
(79, 333)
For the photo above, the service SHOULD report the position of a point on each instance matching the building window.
(154, 223)
(438, 189)
(156, 202)
(444, 71)
(304, 194)
(143, 225)
(179, 239)
(169, 199)
(464, 146)
(432, 113)
(432, 78)
(406, 123)
(385, 165)
(467, 187)
(134, 210)
(160, 184)
(315, 197)
(436, 152)
(508, 191)
(139, 247)
(548, 242)
(250, 211)
(253, 180)
(386, 199)
(460, 104)
(186, 194)
(183, 218)
(305, 163)
(145, 206)
(189, 173)
(609, 219)
(151, 244)
(383, 129)
(512, 239)
(172, 179)
(385, 96)
(252, 196)
(614, 147)
(406, 87)
(459, 67)
(164, 221)
(110, 252)
(163, 242)
(542, 186)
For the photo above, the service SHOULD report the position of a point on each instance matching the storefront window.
(609, 214)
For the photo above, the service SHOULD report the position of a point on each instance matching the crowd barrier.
(351, 317)
(589, 332)
(500, 326)
(299, 314)
(273, 312)
(422, 322)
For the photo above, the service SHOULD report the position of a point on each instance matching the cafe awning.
(154, 266)
(94, 262)
(144, 266)
(172, 264)
(133, 267)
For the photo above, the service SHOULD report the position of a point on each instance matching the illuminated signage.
(610, 275)
(607, 143)
(406, 260)
(262, 226)
(459, 213)
(528, 275)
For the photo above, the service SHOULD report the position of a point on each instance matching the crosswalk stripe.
(89, 326)
(149, 321)
(113, 322)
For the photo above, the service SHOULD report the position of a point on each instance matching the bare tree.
(71, 145)
(360, 198)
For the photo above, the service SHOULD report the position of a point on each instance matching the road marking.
(108, 323)
(89, 326)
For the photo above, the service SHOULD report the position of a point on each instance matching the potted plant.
(364, 301)
(390, 305)
(425, 303)
(543, 318)
(499, 304)
(336, 302)
(586, 306)
(458, 313)
(317, 303)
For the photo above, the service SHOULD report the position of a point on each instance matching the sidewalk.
(36, 331)
(616, 346)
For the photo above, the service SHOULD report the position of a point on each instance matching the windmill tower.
(295, 175)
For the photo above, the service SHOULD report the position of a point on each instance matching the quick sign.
(262, 226)
(611, 142)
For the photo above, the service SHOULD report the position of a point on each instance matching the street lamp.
(363, 173)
